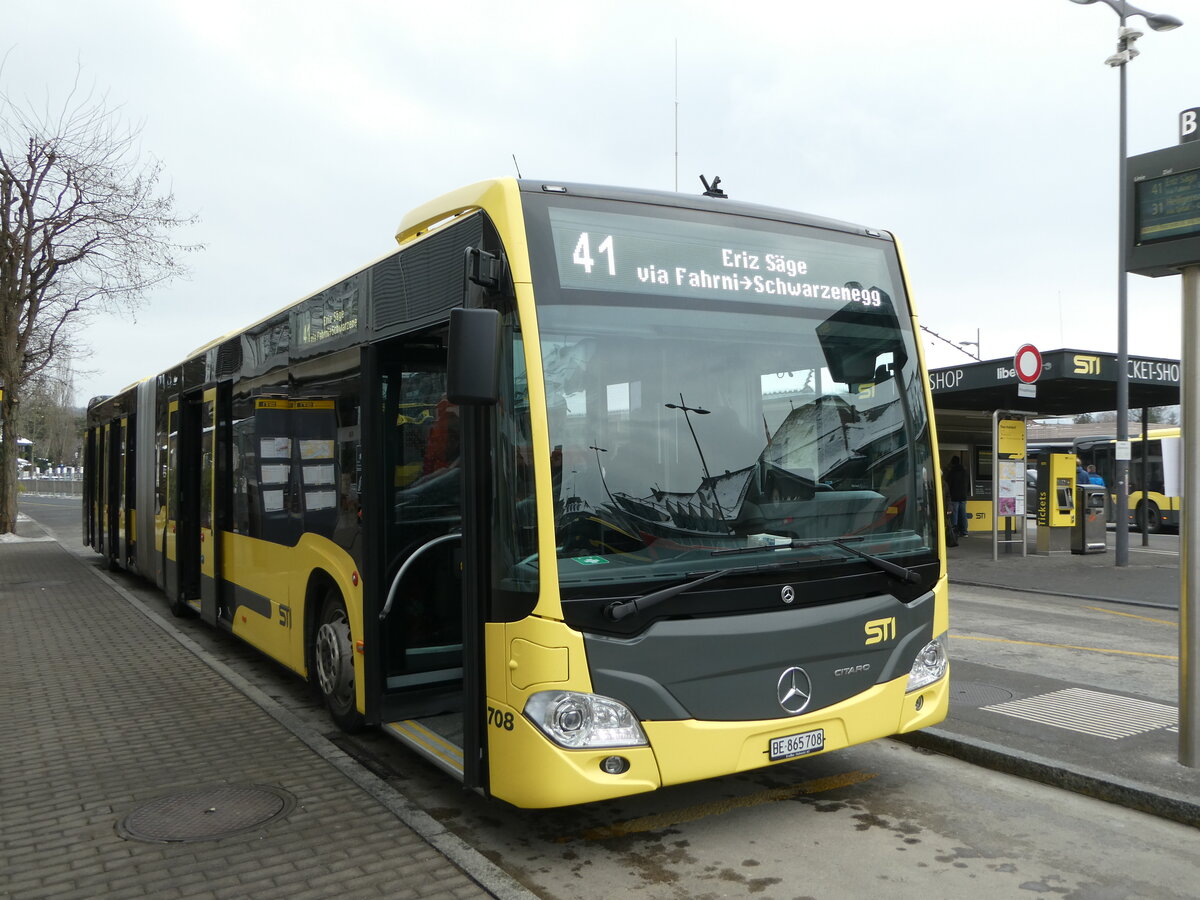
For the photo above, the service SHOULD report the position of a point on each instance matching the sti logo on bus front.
(879, 630)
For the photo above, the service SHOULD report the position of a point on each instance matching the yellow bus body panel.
(928, 393)
(538, 654)
(262, 568)
(281, 574)
(542, 655)
(690, 750)
(941, 606)
(530, 771)
(525, 767)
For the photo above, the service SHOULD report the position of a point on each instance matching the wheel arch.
(331, 568)
(320, 582)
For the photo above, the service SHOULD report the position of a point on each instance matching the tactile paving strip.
(1092, 712)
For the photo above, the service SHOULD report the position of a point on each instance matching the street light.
(978, 354)
(1125, 52)
(700, 411)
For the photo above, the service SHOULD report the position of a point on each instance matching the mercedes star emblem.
(795, 690)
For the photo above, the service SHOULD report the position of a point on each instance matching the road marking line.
(1132, 616)
(717, 807)
(994, 640)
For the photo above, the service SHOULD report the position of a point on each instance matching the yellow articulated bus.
(1154, 502)
(581, 492)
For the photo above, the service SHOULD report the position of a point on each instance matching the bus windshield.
(735, 384)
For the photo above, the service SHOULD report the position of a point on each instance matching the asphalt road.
(883, 819)
(1107, 644)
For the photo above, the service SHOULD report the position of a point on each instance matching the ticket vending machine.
(1055, 502)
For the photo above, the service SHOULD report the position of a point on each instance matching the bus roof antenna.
(713, 190)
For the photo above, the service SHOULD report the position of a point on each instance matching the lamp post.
(700, 411)
(1126, 37)
(978, 354)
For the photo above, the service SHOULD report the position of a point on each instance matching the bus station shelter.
(1071, 382)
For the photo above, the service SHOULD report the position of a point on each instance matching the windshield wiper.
(906, 575)
(622, 609)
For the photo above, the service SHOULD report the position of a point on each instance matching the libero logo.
(1086, 365)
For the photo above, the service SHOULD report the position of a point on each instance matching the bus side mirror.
(473, 357)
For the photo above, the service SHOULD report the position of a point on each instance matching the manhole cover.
(206, 814)
(975, 693)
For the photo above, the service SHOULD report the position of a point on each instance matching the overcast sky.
(984, 135)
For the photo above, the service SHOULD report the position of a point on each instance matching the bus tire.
(1148, 518)
(333, 663)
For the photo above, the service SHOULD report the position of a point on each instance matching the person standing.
(959, 487)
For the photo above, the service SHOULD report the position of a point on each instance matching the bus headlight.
(929, 666)
(581, 721)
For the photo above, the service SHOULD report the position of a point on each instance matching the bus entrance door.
(192, 474)
(112, 494)
(418, 559)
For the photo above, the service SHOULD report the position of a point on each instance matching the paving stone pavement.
(104, 712)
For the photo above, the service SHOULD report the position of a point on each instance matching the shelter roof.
(1071, 382)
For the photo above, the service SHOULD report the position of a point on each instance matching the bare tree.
(84, 227)
(49, 418)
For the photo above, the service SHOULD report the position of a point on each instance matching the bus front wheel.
(1148, 518)
(333, 658)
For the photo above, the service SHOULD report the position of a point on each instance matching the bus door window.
(245, 517)
(421, 431)
(171, 525)
(130, 479)
(120, 446)
(514, 534)
(208, 549)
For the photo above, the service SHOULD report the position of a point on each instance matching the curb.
(1028, 590)
(1108, 788)
(479, 868)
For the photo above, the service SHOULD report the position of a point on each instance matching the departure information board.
(1168, 207)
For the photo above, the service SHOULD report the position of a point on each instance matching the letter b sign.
(1189, 125)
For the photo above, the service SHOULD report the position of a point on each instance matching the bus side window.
(244, 469)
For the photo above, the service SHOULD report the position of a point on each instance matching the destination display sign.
(600, 251)
(330, 314)
(1168, 207)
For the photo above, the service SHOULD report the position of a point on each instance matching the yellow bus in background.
(1154, 503)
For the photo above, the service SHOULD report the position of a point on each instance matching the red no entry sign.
(1028, 363)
